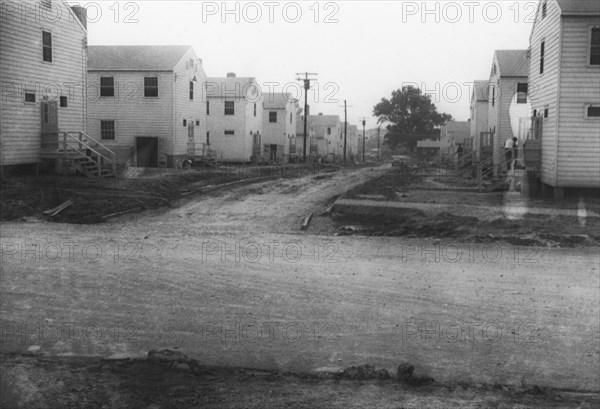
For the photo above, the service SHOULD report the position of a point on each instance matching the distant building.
(328, 134)
(453, 135)
(479, 117)
(43, 75)
(429, 149)
(234, 112)
(146, 103)
(508, 100)
(279, 126)
(564, 74)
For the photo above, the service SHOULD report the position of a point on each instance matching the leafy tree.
(410, 115)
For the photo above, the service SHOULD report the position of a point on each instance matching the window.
(207, 108)
(185, 122)
(546, 112)
(535, 112)
(29, 96)
(493, 96)
(522, 93)
(272, 116)
(255, 109)
(542, 52)
(107, 87)
(592, 111)
(47, 46)
(192, 90)
(544, 9)
(328, 131)
(290, 117)
(494, 69)
(197, 122)
(208, 138)
(63, 102)
(229, 132)
(229, 108)
(151, 87)
(107, 130)
(595, 46)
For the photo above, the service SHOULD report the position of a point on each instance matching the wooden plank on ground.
(306, 221)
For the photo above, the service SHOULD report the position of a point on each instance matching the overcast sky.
(361, 50)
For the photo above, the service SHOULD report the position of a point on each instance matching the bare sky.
(361, 50)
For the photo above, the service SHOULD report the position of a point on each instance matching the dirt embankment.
(96, 200)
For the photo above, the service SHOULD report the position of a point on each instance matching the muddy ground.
(187, 278)
(95, 200)
(437, 209)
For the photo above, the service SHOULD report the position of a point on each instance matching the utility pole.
(306, 88)
(364, 121)
(345, 128)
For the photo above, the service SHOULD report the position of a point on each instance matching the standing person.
(508, 151)
(515, 151)
(459, 151)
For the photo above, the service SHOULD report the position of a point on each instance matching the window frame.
(493, 95)
(544, 9)
(542, 56)
(229, 132)
(47, 47)
(106, 87)
(207, 107)
(148, 88)
(272, 117)
(519, 100)
(590, 46)
(229, 108)
(63, 102)
(29, 92)
(114, 130)
(191, 90)
(586, 111)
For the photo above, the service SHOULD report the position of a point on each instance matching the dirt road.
(229, 279)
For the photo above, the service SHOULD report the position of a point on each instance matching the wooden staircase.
(79, 153)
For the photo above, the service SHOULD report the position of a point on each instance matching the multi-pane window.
(207, 108)
(229, 132)
(185, 122)
(191, 89)
(208, 138)
(546, 112)
(29, 96)
(107, 130)
(493, 96)
(229, 108)
(255, 109)
(328, 131)
(595, 46)
(47, 46)
(273, 116)
(107, 86)
(521, 93)
(593, 111)
(542, 55)
(63, 102)
(151, 87)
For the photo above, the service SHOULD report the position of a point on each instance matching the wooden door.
(191, 145)
(49, 116)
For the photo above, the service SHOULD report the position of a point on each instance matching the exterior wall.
(276, 133)
(479, 123)
(22, 69)
(543, 89)
(254, 123)
(134, 114)
(578, 137)
(193, 111)
(233, 147)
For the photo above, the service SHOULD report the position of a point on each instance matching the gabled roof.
(230, 87)
(135, 57)
(457, 127)
(579, 6)
(480, 89)
(513, 63)
(277, 100)
(324, 120)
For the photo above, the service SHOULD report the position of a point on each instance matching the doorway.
(146, 149)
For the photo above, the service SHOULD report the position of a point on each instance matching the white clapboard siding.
(233, 147)
(22, 68)
(579, 137)
(543, 89)
(134, 114)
